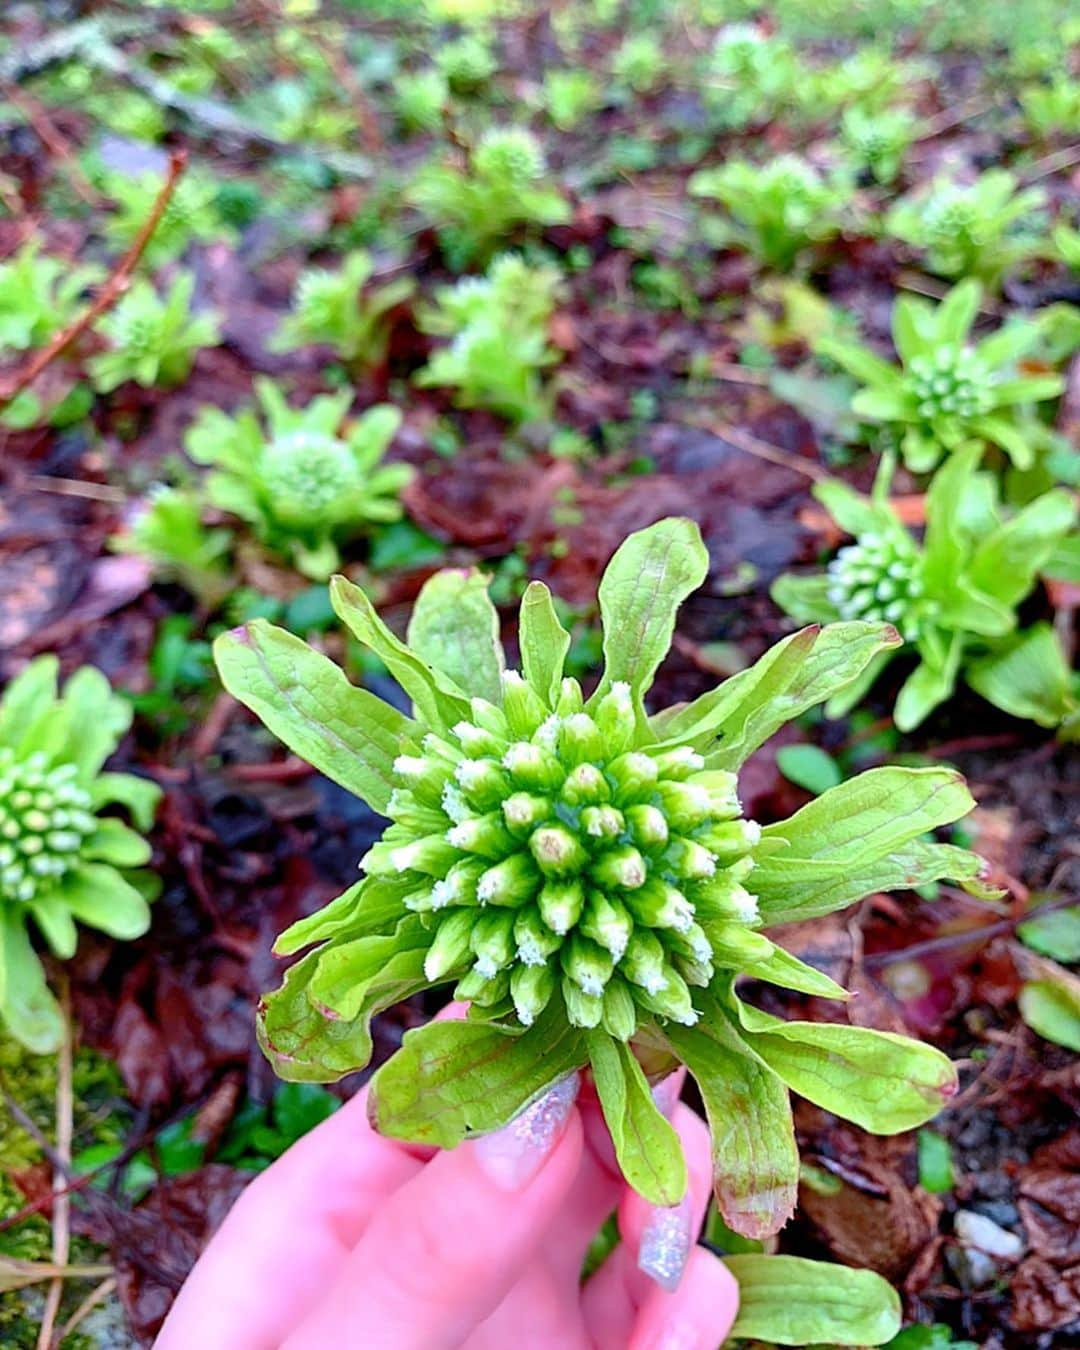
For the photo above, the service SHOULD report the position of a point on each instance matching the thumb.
(441, 1255)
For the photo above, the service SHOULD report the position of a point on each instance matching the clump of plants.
(168, 529)
(778, 210)
(981, 229)
(467, 63)
(340, 309)
(579, 870)
(498, 331)
(569, 96)
(954, 596)
(420, 99)
(879, 139)
(638, 62)
(750, 77)
(304, 479)
(61, 860)
(153, 339)
(475, 208)
(1052, 109)
(947, 389)
(39, 295)
(190, 215)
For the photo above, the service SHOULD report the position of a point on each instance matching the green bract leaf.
(29, 1011)
(755, 1159)
(646, 1146)
(453, 1079)
(543, 640)
(1052, 1008)
(437, 698)
(787, 1300)
(883, 1082)
(1027, 676)
(798, 673)
(646, 581)
(860, 837)
(455, 629)
(306, 701)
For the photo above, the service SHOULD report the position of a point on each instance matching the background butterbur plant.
(581, 873)
(954, 596)
(947, 389)
(190, 215)
(337, 307)
(297, 476)
(60, 861)
(780, 208)
(498, 330)
(153, 340)
(39, 295)
(980, 229)
(168, 530)
(474, 209)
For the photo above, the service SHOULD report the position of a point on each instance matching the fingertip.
(698, 1315)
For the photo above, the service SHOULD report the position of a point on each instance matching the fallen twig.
(61, 1210)
(86, 1307)
(750, 444)
(109, 294)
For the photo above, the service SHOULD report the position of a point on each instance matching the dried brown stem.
(109, 294)
(61, 1212)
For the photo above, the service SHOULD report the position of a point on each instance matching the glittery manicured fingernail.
(665, 1244)
(512, 1156)
(666, 1094)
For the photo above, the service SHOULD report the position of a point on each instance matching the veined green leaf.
(805, 598)
(307, 702)
(450, 1080)
(646, 581)
(1051, 1007)
(647, 1147)
(543, 640)
(347, 970)
(788, 1300)
(372, 905)
(28, 1009)
(98, 895)
(455, 629)
(929, 684)
(883, 1082)
(1027, 676)
(304, 1045)
(139, 795)
(859, 837)
(438, 700)
(1006, 562)
(801, 671)
(31, 693)
(755, 1160)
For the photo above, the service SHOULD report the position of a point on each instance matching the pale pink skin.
(352, 1241)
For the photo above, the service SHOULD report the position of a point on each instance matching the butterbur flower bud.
(492, 941)
(690, 860)
(603, 822)
(619, 1016)
(535, 940)
(621, 867)
(579, 740)
(561, 904)
(533, 767)
(679, 763)
(509, 882)
(485, 836)
(450, 947)
(643, 962)
(607, 921)
(558, 852)
(647, 825)
(585, 785)
(531, 988)
(582, 1009)
(632, 776)
(524, 811)
(615, 719)
(659, 904)
(522, 706)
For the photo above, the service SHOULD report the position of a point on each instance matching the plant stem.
(61, 1214)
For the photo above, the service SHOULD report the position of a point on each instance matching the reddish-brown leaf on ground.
(1044, 1297)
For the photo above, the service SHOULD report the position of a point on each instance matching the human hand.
(352, 1241)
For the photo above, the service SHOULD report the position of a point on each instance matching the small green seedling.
(304, 484)
(60, 860)
(168, 529)
(152, 340)
(39, 294)
(879, 140)
(981, 229)
(475, 209)
(779, 209)
(947, 390)
(954, 596)
(340, 309)
(189, 217)
(498, 326)
(579, 870)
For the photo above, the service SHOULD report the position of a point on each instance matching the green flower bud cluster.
(952, 213)
(509, 156)
(879, 580)
(306, 475)
(950, 382)
(548, 854)
(45, 818)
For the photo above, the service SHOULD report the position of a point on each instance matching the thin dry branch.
(750, 444)
(61, 1212)
(109, 294)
